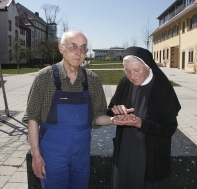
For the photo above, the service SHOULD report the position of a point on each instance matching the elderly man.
(63, 103)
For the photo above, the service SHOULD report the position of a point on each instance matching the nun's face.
(136, 72)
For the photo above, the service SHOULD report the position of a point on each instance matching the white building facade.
(9, 28)
(17, 23)
(113, 53)
(175, 40)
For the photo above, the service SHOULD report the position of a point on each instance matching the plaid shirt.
(43, 88)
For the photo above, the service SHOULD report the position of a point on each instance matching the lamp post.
(17, 55)
(53, 56)
(147, 43)
(179, 32)
(4, 94)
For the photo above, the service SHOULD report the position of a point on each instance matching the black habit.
(144, 154)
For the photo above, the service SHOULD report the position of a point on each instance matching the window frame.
(9, 25)
(191, 56)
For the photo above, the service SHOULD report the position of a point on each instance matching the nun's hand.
(128, 120)
(121, 110)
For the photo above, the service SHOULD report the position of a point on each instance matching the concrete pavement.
(13, 133)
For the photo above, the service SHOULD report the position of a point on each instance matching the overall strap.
(85, 82)
(56, 77)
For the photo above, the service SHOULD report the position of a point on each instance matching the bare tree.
(125, 44)
(18, 52)
(90, 53)
(146, 32)
(51, 12)
(64, 25)
(133, 41)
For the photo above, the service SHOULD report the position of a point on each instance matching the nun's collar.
(149, 78)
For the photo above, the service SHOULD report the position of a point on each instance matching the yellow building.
(175, 40)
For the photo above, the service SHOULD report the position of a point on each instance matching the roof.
(21, 23)
(179, 15)
(4, 4)
(26, 15)
(171, 6)
(110, 49)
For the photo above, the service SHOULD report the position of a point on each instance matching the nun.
(145, 107)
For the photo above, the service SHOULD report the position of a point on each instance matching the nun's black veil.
(147, 57)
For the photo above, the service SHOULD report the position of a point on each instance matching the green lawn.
(107, 77)
(105, 62)
(110, 77)
(21, 71)
(105, 66)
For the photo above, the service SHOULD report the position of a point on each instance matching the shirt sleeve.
(35, 99)
(99, 102)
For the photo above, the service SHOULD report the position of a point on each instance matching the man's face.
(136, 72)
(72, 50)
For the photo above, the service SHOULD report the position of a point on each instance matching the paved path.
(13, 133)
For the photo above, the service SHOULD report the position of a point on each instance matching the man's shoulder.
(45, 71)
(91, 74)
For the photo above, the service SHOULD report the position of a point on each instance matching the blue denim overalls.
(65, 138)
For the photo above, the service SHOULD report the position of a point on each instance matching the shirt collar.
(63, 73)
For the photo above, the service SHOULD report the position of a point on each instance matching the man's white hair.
(69, 34)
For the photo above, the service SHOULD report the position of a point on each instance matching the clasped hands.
(124, 116)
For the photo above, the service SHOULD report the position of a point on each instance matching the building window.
(166, 34)
(164, 54)
(169, 33)
(9, 40)
(22, 31)
(194, 21)
(10, 55)
(190, 23)
(16, 21)
(183, 27)
(187, 24)
(178, 30)
(167, 54)
(174, 31)
(22, 42)
(9, 25)
(191, 56)
(16, 34)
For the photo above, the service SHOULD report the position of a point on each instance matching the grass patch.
(17, 166)
(174, 84)
(107, 66)
(107, 61)
(24, 68)
(110, 77)
(21, 71)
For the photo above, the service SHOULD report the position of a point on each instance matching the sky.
(106, 23)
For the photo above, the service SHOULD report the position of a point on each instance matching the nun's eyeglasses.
(75, 48)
